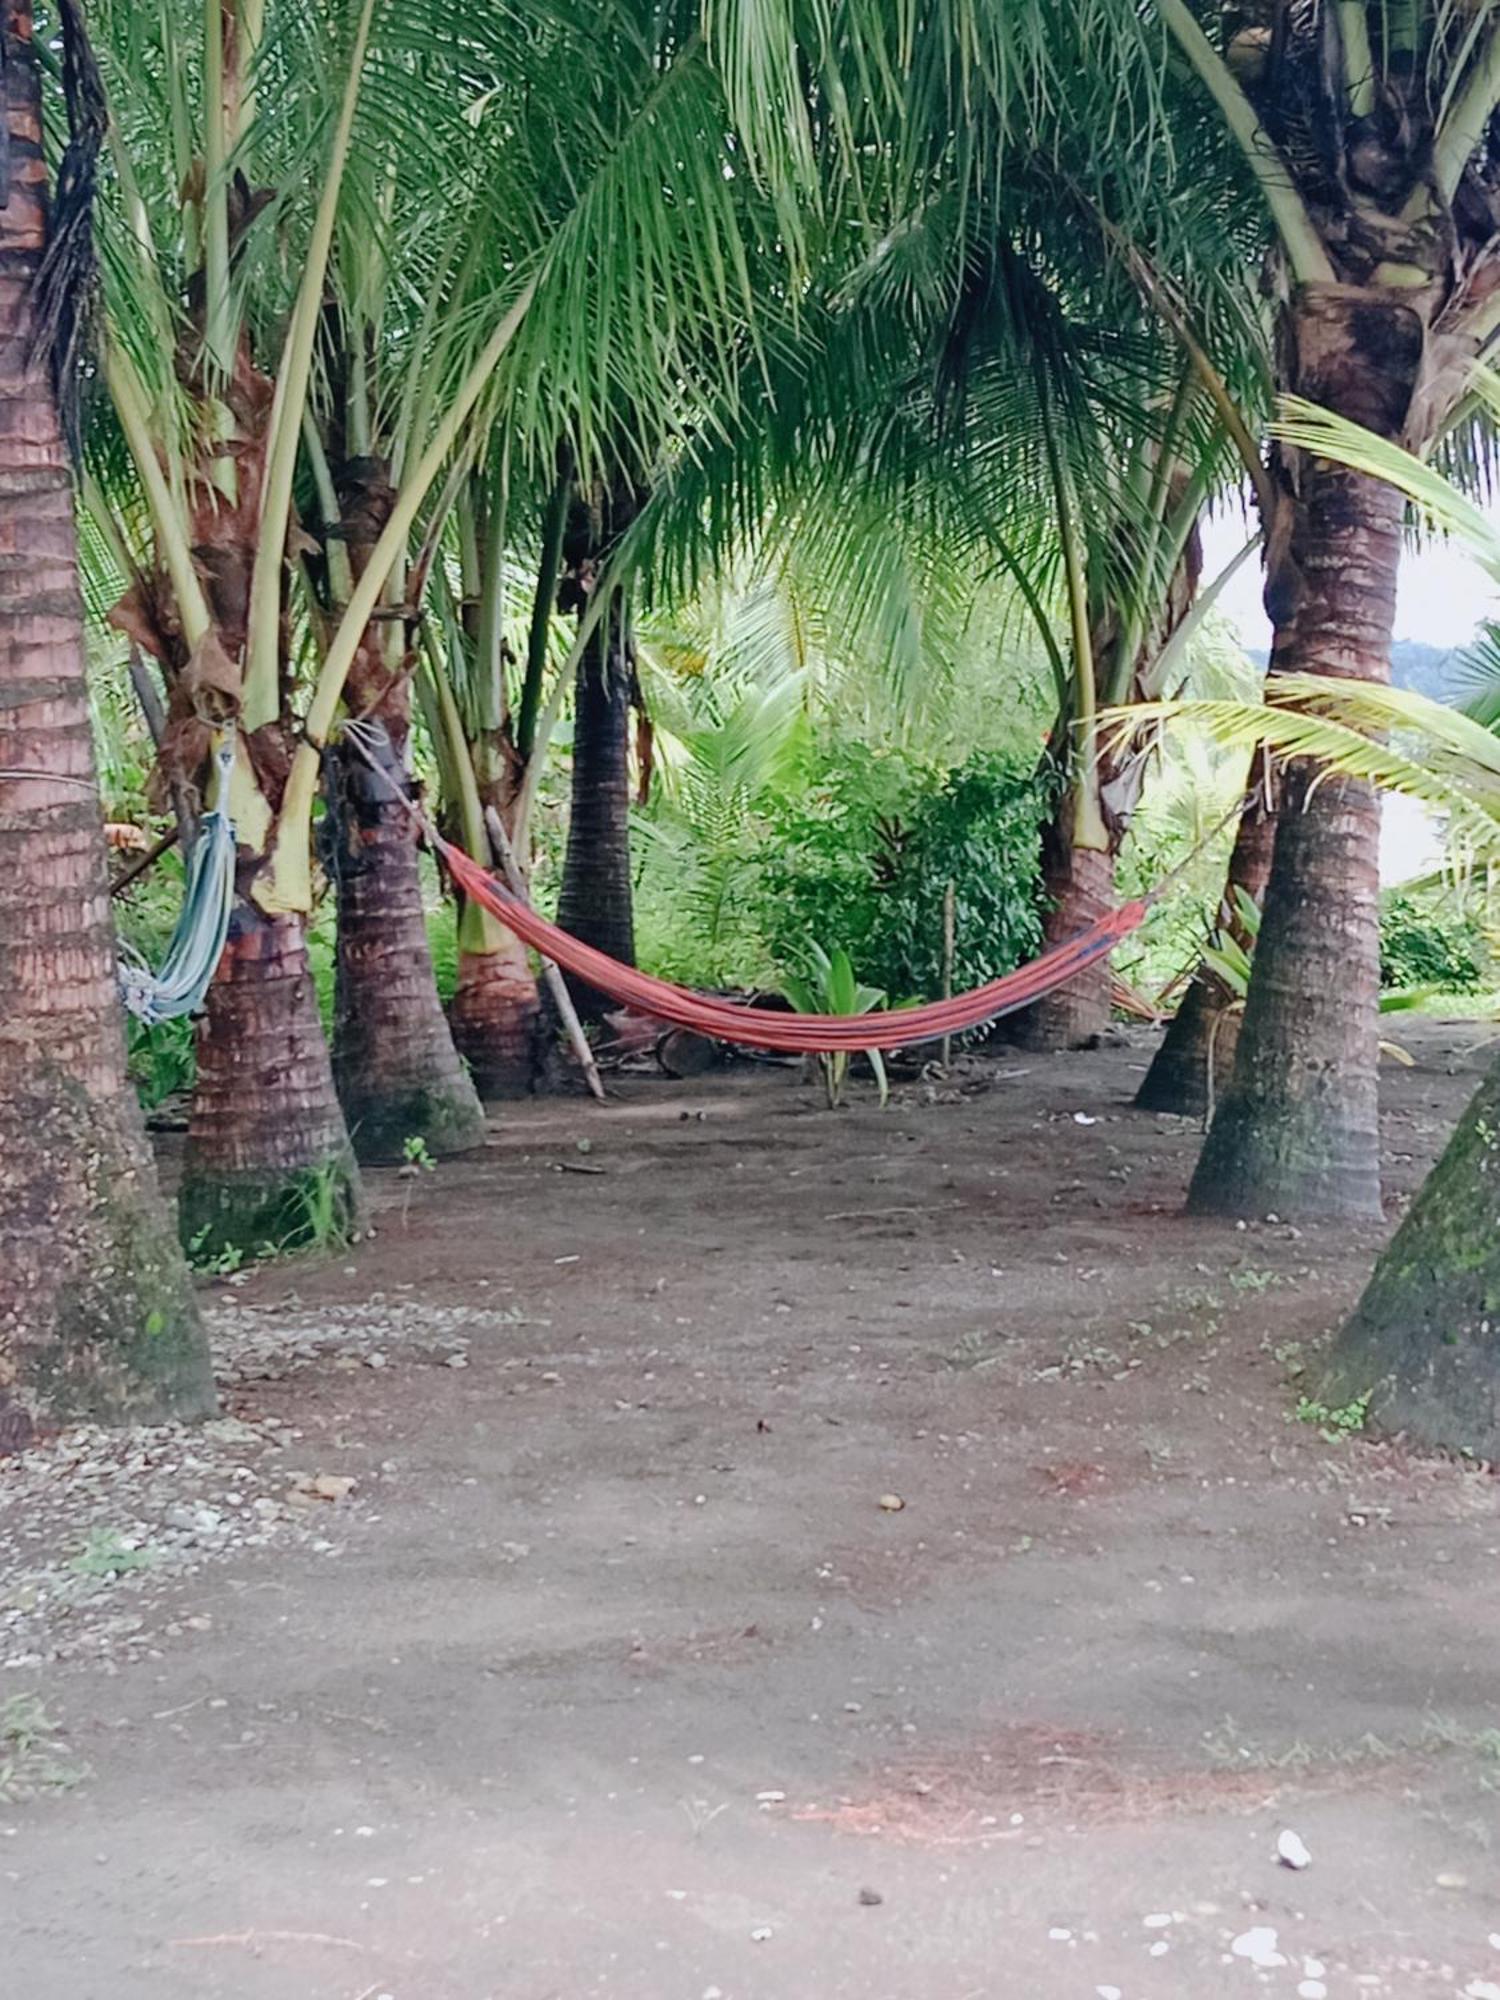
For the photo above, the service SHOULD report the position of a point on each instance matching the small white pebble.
(1158, 1921)
(761, 1933)
(1159, 1949)
(1291, 1852)
(1482, 1989)
(1109, 1993)
(1058, 1935)
(1312, 1989)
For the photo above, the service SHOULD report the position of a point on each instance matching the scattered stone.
(871, 1898)
(1290, 1850)
(1258, 1945)
(891, 1503)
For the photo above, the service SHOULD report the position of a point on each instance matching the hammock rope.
(197, 944)
(767, 1028)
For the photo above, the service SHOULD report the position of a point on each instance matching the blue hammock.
(197, 943)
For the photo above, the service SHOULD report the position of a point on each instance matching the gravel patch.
(95, 1524)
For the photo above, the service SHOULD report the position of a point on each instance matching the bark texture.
(596, 902)
(1080, 884)
(1207, 1024)
(1297, 1131)
(97, 1315)
(394, 1062)
(1424, 1342)
(268, 1159)
(495, 1016)
(496, 1010)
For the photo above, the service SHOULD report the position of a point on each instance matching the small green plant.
(106, 1553)
(220, 1263)
(33, 1759)
(830, 987)
(416, 1159)
(1346, 1421)
(1249, 1279)
(323, 1218)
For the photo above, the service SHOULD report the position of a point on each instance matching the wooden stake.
(557, 986)
(949, 926)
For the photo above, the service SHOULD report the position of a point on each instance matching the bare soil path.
(611, 1674)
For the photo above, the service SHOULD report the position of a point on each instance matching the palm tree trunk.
(1206, 1027)
(495, 1016)
(496, 1012)
(1297, 1131)
(97, 1315)
(1424, 1341)
(398, 1073)
(268, 1160)
(596, 901)
(1080, 887)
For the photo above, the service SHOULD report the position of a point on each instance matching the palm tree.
(1364, 130)
(483, 730)
(1368, 134)
(536, 218)
(1422, 1348)
(97, 1316)
(595, 903)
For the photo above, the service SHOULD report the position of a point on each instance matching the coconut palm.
(97, 1317)
(1364, 131)
(558, 242)
(1422, 1347)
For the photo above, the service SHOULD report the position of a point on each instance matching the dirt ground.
(615, 1671)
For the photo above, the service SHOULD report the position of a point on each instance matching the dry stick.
(948, 929)
(556, 984)
(152, 855)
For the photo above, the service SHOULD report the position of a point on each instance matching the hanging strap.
(197, 943)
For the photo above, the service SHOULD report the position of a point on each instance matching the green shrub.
(980, 831)
(1433, 940)
(866, 855)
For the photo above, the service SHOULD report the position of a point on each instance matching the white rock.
(1290, 1850)
(1312, 1989)
(761, 1933)
(1158, 1921)
(1059, 1936)
(1259, 1946)
(1109, 1993)
(1482, 1989)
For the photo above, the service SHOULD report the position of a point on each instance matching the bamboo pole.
(949, 927)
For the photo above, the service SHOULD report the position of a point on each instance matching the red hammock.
(765, 1027)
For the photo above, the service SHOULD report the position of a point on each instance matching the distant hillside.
(1414, 664)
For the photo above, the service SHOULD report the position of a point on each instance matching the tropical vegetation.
(740, 469)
